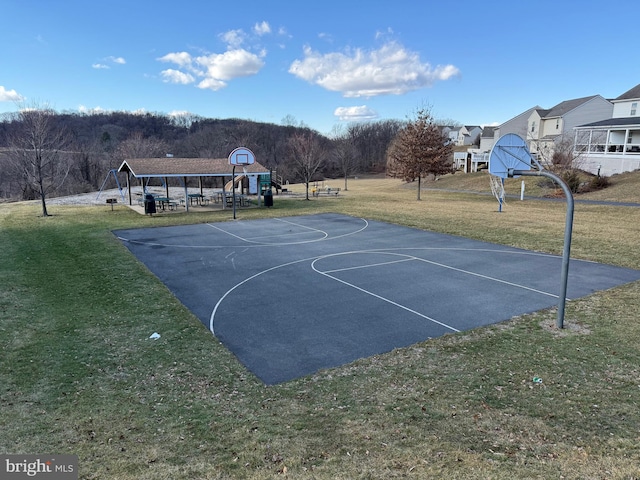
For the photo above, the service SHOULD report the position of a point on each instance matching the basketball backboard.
(241, 156)
(510, 152)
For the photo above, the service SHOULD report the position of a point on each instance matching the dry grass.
(79, 375)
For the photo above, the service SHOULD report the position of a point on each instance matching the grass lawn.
(79, 375)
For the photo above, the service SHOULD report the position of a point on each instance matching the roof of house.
(564, 107)
(630, 94)
(614, 122)
(524, 114)
(487, 132)
(184, 167)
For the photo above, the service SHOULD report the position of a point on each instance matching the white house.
(517, 125)
(612, 145)
(450, 132)
(546, 129)
(469, 135)
(487, 139)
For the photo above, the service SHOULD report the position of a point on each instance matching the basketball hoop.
(497, 188)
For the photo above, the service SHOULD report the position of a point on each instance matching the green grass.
(79, 375)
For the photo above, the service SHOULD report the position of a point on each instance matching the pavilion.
(144, 169)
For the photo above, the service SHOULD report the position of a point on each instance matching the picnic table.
(166, 202)
(197, 199)
(316, 192)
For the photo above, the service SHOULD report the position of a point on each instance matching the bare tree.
(307, 156)
(420, 149)
(345, 154)
(137, 146)
(36, 151)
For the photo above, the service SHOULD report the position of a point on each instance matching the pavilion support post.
(129, 187)
(166, 186)
(186, 195)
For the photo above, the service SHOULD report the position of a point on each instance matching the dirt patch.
(571, 327)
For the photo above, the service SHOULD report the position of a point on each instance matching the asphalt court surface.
(294, 295)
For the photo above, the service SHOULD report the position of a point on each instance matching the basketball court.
(291, 296)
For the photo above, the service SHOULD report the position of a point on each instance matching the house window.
(634, 105)
(533, 127)
(557, 124)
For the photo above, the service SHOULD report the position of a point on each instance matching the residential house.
(548, 130)
(469, 135)
(487, 139)
(460, 136)
(517, 125)
(612, 145)
(451, 133)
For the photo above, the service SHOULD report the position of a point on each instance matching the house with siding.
(612, 145)
(546, 129)
(517, 125)
(469, 135)
(487, 139)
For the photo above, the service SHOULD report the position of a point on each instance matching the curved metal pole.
(233, 190)
(566, 251)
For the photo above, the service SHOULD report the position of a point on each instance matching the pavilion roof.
(185, 167)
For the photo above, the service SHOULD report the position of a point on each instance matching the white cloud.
(212, 84)
(9, 95)
(361, 112)
(85, 109)
(390, 70)
(213, 71)
(230, 64)
(182, 59)
(233, 38)
(261, 28)
(227, 66)
(176, 76)
(178, 113)
(108, 60)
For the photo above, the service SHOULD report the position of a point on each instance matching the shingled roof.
(630, 94)
(564, 107)
(184, 167)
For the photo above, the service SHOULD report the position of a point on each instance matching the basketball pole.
(233, 190)
(566, 250)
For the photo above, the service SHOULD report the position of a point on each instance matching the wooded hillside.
(100, 142)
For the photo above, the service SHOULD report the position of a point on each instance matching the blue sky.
(320, 63)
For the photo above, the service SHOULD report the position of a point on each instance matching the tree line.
(47, 153)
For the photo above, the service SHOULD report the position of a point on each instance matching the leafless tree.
(420, 149)
(36, 151)
(345, 154)
(307, 155)
(137, 146)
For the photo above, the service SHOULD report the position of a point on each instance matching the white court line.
(248, 279)
(375, 295)
(325, 235)
(442, 265)
(247, 241)
(243, 239)
(383, 251)
(364, 227)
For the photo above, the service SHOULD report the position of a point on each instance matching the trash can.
(268, 198)
(149, 204)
